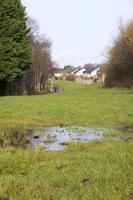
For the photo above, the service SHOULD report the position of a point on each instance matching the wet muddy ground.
(58, 138)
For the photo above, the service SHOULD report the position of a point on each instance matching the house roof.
(89, 70)
(94, 72)
(75, 71)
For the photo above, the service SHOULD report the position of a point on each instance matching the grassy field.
(85, 171)
(79, 104)
(94, 171)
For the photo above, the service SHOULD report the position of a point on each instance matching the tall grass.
(94, 171)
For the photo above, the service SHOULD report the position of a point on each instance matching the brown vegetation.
(120, 59)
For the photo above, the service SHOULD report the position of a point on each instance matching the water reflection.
(57, 138)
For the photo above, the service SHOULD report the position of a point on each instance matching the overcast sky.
(80, 30)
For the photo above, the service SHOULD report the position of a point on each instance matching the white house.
(95, 72)
(78, 72)
(91, 74)
(87, 74)
(57, 75)
(74, 71)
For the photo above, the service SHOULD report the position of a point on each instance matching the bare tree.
(120, 58)
(42, 67)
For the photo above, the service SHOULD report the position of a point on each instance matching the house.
(86, 76)
(58, 75)
(91, 74)
(87, 73)
(75, 71)
(78, 72)
(94, 74)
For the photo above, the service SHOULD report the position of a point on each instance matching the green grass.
(113, 133)
(89, 105)
(94, 171)
(85, 171)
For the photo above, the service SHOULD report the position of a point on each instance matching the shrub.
(70, 78)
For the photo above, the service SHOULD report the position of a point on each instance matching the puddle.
(58, 138)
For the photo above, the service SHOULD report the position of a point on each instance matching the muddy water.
(57, 138)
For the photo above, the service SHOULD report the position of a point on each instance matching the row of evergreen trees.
(25, 59)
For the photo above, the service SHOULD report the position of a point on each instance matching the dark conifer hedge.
(15, 50)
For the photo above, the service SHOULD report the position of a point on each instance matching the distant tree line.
(25, 57)
(120, 58)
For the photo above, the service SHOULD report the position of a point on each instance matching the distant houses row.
(84, 75)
